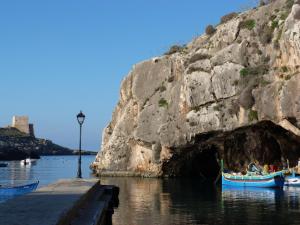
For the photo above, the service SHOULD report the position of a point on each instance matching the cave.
(264, 142)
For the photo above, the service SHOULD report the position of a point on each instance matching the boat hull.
(292, 181)
(271, 182)
(18, 190)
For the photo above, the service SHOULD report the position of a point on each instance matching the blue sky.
(61, 56)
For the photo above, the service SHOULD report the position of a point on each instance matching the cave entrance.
(196, 162)
(265, 143)
(203, 164)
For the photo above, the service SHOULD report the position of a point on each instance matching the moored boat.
(292, 180)
(18, 190)
(27, 161)
(271, 180)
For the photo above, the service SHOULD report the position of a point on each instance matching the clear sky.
(61, 56)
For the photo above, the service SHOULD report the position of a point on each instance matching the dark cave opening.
(264, 142)
(203, 164)
(196, 162)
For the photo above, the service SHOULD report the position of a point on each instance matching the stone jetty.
(66, 202)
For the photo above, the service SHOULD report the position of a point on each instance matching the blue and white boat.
(272, 180)
(292, 180)
(18, 190)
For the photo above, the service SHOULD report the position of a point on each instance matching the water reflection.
(47, 170)
(172, 201)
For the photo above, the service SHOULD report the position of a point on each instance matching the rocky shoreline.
(15, 145)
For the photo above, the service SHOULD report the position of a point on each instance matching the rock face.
(234, 94)
(16, 145)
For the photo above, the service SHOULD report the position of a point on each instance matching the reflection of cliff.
(174, 201)
(153, 201)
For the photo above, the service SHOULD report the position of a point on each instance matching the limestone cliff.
(233, 93)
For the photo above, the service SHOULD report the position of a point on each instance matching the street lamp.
(80, 119)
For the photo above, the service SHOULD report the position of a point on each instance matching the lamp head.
(80, 118)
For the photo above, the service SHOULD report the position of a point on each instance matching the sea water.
(170, 201)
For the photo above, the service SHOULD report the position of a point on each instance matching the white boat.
(292, 180)
(28, 161)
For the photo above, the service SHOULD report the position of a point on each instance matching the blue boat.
(18, 190)
(272, 180)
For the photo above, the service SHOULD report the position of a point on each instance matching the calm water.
(174, 201)
(171, 201)
(47, 170)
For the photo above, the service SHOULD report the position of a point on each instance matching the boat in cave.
(253, 179)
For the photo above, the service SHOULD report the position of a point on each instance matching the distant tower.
(22, 124)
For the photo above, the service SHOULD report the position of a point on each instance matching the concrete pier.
(66, 202)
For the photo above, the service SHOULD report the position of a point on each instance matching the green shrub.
(257, 70)
(244, 72)
(284, 15)
(176, 48)
(284, 69)
(289, 4)
(163, 103)
(228, 17)
(274, 24)
(252, 115)
(247, 24)
(210, 30)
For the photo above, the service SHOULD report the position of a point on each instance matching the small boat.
(292, 180)
(27, 161)
(18, 190)
(3, 164)
(272, 180)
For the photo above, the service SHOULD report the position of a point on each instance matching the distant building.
(23, 125)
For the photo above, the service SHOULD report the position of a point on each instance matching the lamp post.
(80, 119)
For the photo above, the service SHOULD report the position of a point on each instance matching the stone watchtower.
(22, 124)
